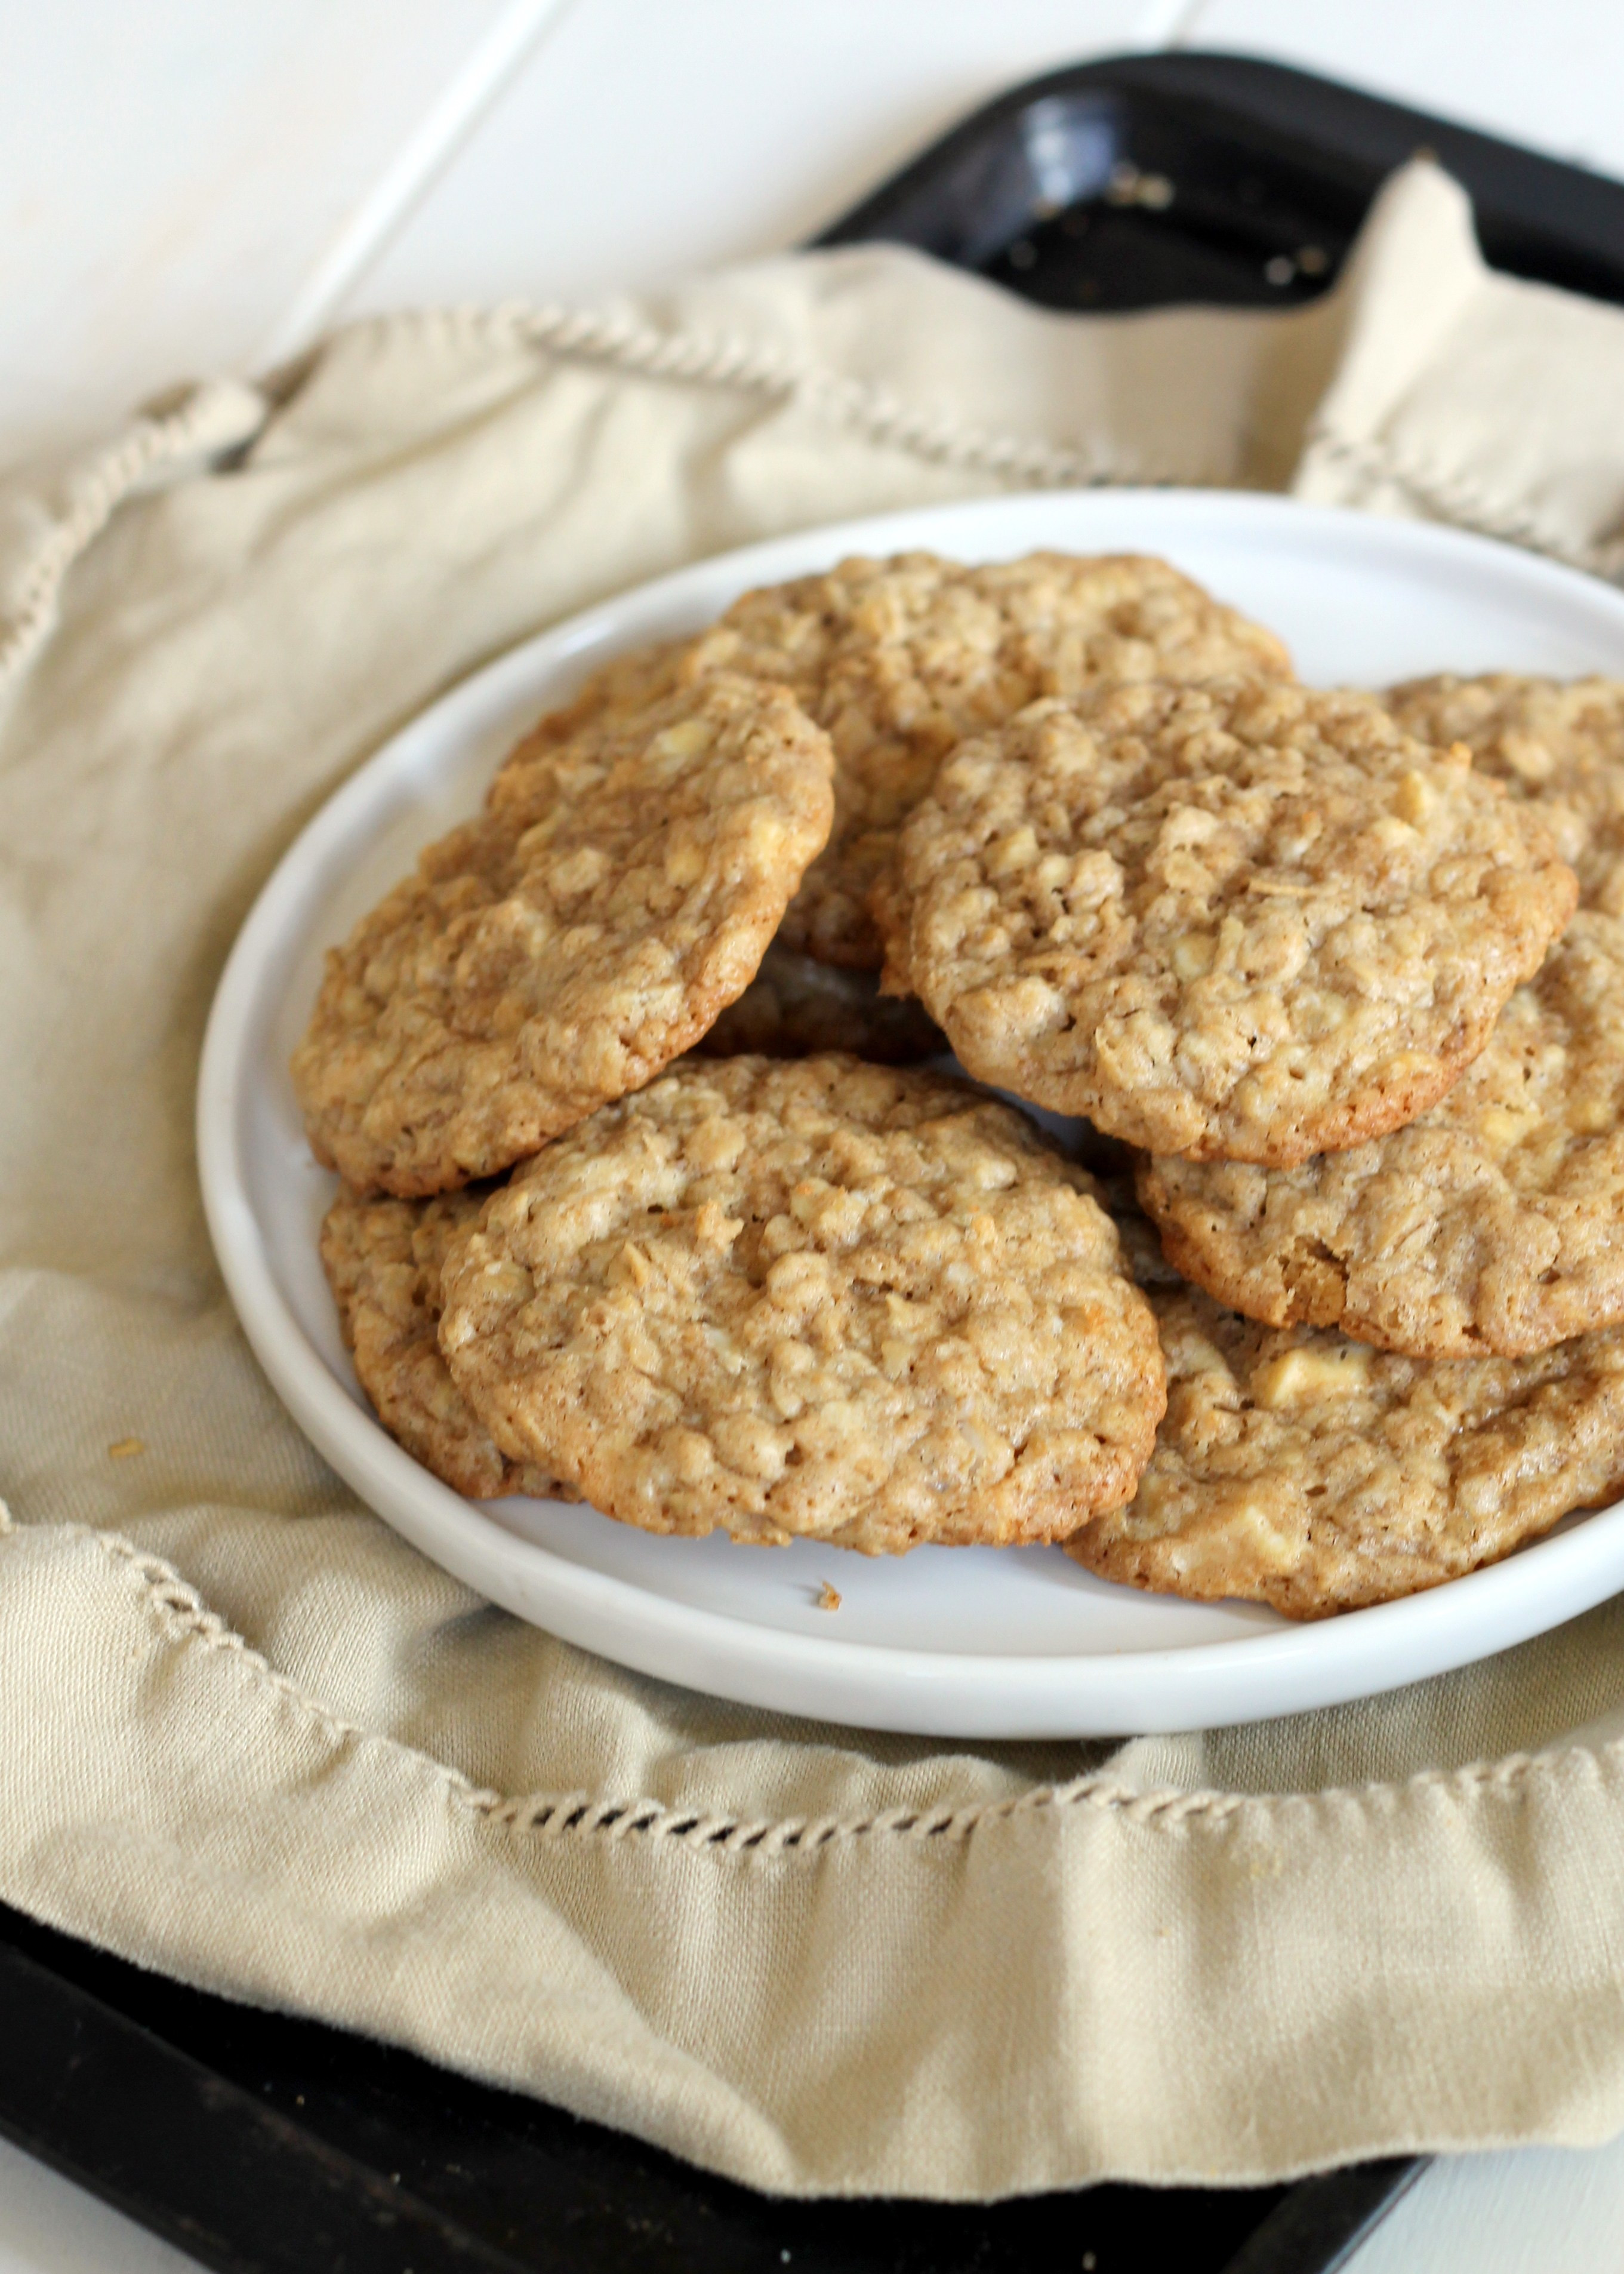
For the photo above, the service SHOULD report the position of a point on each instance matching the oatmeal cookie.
(382, 1259)
(625, 683)
(1301, 1469)
(560, 950)
(900, 659)
(1244, 920)
(1557, 743)
(796, 1005)
(1494, 1222)
(814, 1298)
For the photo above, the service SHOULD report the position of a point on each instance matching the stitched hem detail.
(585, 336)
(859, 405)
(213, 417)
(1447, 498)
(187, 1621)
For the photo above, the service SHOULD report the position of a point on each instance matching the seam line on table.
(489, 69)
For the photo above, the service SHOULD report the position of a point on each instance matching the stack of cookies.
(650, 1198)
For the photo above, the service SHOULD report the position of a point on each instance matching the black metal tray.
(1143, 180)
(267, 2146)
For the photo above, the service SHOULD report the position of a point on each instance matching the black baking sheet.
(1142, 180)
(264, 2145)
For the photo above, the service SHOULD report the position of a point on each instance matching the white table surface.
(201, 186)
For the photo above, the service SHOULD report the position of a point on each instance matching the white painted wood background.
(189, 186)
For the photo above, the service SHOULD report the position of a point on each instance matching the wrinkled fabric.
(256, 1741)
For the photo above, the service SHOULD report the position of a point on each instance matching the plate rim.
(863, 1685)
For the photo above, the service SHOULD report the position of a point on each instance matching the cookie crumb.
(125, 1447)
(827, 1598)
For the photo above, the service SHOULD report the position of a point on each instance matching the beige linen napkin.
(252, 1739)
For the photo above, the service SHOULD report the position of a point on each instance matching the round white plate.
(952, 1642)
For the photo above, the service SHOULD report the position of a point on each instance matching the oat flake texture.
(818, 1299)
(1306, 1470)
(901, 658)
(1559, 743)
(382, 1258)
(1494, 1222)
(558, 951)
(1245, 921)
